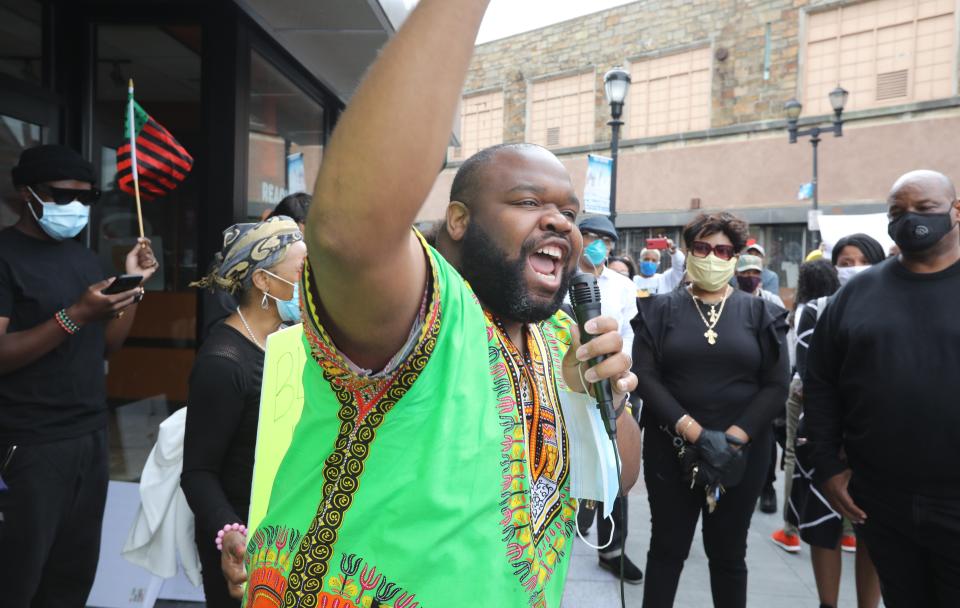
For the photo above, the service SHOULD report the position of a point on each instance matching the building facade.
(704, 122)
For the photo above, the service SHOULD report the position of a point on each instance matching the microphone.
(585, 299)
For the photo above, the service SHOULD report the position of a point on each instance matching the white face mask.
(60, 222)
(846, 273)
(593, 470)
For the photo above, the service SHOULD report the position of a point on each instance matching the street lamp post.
(838, 99)
(616, 85)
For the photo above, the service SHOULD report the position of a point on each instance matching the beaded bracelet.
(65, 322)
(242, 529)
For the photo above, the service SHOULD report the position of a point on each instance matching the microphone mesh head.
(584, 289)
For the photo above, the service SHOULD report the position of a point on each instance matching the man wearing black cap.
(56, 329)
(618, 299)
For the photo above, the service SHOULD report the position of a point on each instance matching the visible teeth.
(548, 277)
(551, 251)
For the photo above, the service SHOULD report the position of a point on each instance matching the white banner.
(596, 194)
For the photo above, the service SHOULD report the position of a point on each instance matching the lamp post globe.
(838, 99)
(616, 85)
(792, 109)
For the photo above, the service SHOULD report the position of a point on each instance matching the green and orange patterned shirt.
(444, 482)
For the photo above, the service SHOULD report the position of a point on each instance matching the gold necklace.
(711, 335)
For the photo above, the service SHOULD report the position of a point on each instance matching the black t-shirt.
(742, 379)
(882, 380)
(221, 433)
(63, 393)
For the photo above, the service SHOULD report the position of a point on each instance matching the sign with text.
(281, 402)
(596, 194)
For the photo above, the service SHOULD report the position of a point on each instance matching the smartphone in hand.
(658, 243)
(124, 282)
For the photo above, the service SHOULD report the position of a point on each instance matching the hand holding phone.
(122, 283)
(658, 243)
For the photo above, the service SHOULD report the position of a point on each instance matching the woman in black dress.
(714, 371)
(260, 265)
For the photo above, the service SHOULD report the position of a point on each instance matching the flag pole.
(133, 155)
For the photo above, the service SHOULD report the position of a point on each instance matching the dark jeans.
(674, 511)
(914, 542)
(52, 515)
(586, 516)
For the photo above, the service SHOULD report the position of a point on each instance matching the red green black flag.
(151, 156)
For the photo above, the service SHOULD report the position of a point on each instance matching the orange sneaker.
(849, 543)
(788, 542)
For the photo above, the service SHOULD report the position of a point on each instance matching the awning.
(334, 39)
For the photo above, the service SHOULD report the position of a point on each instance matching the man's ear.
(458, 217)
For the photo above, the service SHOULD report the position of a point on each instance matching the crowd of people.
(445, 452)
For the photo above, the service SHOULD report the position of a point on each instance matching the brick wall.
(614, 37)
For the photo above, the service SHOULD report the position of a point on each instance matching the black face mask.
(916, 232)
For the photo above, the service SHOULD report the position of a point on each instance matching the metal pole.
(614, 154)
(815, 141)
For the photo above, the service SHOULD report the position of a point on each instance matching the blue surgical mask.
(289, 310)
(596, 252)
(61, 222)
(648, 269)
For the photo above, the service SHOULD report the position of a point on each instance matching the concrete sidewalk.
(777, 579)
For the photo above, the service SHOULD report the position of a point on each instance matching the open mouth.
(546, 263)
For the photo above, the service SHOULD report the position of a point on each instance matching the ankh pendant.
(711, 336)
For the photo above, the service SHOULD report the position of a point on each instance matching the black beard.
(498, 281)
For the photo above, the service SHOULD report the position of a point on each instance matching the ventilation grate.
(891, 85)
(553, 136)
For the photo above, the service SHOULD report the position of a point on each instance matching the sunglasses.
(702, 249)
(62, 196)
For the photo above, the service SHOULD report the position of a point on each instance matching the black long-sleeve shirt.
(742, 379)
(221, 432)
(883, 381)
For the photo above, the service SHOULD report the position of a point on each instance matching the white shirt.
(662, 282)
(618, 299)
(770, 297)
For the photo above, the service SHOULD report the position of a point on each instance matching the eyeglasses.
(702, 249)
(62, 196)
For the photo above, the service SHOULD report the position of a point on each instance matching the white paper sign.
(835, 227)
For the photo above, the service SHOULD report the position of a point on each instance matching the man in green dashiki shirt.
(443, 478)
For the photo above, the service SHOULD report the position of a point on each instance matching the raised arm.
(673, 275)
(382, 160)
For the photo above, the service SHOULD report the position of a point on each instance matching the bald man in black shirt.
(883, 388)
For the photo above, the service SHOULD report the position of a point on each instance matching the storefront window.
(286, 138)
(21, 39)
(15, 136)
(786, 246)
